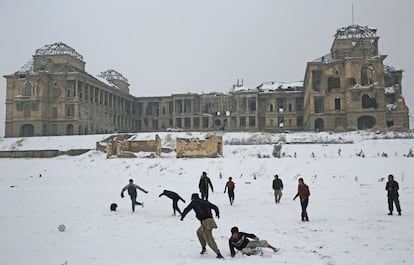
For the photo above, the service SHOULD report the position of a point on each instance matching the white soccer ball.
(61, 227)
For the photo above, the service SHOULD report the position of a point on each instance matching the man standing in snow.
(303, 193)
(202, 209)
(240, 241)
(132, 191)
(277, 187)
(203, 185)
(230, 189)
(392, 192)
(175, 198)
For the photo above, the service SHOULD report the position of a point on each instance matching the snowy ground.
(347, 209)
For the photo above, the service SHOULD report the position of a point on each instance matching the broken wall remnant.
(212, 146)
(126, 148)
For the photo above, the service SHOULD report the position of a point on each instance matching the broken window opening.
(368, 102)
(334, 82)
(316, 80)
(318, 102)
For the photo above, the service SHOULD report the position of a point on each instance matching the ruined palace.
(349, 88)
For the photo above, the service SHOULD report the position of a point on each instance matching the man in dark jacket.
(277, 187)
(175, 198)
(392, 192)
(240, 241)
(303, 193)
(202, 209)
(132, 191)
(203, 185)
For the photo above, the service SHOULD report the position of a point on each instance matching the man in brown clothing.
(303, 193)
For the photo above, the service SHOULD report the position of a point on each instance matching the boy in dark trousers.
(240, 241)
(203, 185)
(175, 198)
(392, 192)
(230, 189)
(303, 193)
(277, 187)
(132, 191)
(202, 209)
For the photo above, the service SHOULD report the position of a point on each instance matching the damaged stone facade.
(351, 89)
(195, 148)
(126, 148)
(348, 89)
(54, 95)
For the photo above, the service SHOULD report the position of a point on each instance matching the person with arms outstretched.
(175, 198)
(132, 192)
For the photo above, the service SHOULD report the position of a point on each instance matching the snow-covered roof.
(327, 58)
(390, 90)
(58, 48)
(280, 86)
(242, 89)
(355, 32)
(111, 74)
(27, 68)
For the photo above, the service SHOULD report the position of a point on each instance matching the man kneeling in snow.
(239, 241)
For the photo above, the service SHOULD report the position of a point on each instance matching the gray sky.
(164, 47)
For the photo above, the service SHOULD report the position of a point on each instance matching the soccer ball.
(61, 227)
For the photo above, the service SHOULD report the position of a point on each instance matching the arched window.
(27, 130)
(366, 122)
(27, 89)
(319, 125)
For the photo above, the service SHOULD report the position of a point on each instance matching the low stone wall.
(40, 153)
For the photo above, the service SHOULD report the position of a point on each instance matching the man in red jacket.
(303, 193)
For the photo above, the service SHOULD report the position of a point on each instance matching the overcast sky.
(164, 47)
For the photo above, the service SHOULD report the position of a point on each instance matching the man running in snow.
(132, 191)
(240, 241)
(202, 209)
(175, 198)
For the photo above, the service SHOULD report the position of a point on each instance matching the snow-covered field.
(347, 210)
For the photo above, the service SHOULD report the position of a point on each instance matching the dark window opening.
(337, 104)
(252, 121)
(299, 121)
(205, 122)
(351, 81)
(242, 121)
(368, 102)
(316, 80)
(196, 122)
(187, 122)
(334, 82)
(252, 104)
(318, 105)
